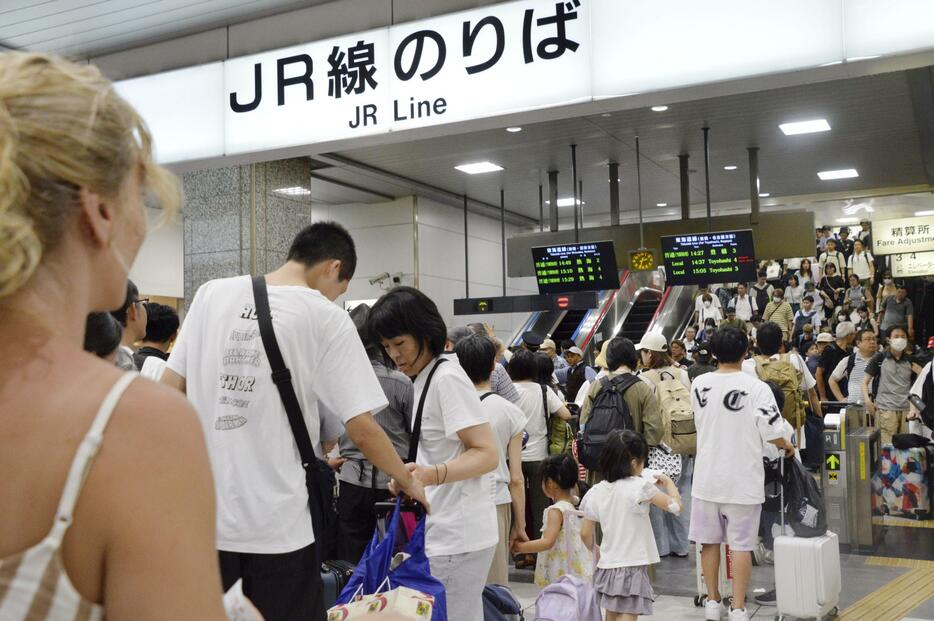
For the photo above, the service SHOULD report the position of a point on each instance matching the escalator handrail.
(604, 311)
(661, 305)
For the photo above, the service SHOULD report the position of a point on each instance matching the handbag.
(319, 477)
(401, 603)
(661, 458)
(376, 567)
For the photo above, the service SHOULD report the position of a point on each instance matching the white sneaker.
(739, 614)
(714, 611)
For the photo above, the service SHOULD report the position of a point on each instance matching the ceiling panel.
(90, 27)
(873, 130)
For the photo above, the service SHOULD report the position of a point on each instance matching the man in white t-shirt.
(745, 305)
(853, 368)
(734, 414)
(770, 340)
(703, 290)
(477, 356)
(264, 529)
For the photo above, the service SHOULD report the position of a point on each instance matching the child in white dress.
(560, 549)
(620, 504)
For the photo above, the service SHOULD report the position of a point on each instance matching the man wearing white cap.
(578, 372)
(549, 347)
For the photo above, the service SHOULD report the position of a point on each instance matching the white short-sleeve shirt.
(463, 517)
(262, 501)
(622, 509)
(530, 400)
(507, 421)
(734, 414)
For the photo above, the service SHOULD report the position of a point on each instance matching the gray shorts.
(734, 525)
(463, 576)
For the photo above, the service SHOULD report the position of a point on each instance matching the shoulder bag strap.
(545, 402)
(486, 394)
(281, 376)
(417, 425)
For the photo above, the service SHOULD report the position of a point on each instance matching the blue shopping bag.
(414, 573)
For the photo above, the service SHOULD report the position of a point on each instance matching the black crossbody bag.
(319, 477)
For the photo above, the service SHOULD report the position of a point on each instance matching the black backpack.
(609, 413)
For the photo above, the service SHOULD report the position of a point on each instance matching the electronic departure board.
(701, 258)
(576, 267)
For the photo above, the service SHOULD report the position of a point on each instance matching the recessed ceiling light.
(478, 168)
(764, 195)
(661, 204)
(830, 175)
(730, 167)
(847, 220)
(924, 213)
(567, 202)
(513, 130)
(293, 191)
(659, 108)
(805, 127)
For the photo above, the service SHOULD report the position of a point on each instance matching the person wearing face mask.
(709, 310)
(898, 311)
(889, 402)
(886, 290)
(265, 533)
(779, 311)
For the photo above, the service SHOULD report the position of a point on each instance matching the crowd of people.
(148, 498)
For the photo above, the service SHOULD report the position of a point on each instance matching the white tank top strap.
(84, 458)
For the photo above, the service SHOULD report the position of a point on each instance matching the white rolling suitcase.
(726, 577)
(807, 573)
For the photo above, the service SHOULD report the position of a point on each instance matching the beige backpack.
(674, 401)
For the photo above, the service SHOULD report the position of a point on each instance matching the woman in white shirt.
(709, 311)
(806, 272)
(539, 403)
(794, 292)
(456, 448)
(862, 264)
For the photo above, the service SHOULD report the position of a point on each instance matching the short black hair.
(762, 274)
(622, 446)
(562, 469)
(729, 344)
(903, 328)
(406, 310)
(161, 323)
(476, 355)
(359, 315)
(567, 344)
(325, 241)
(769, 338)
(621, 351)
(777, 393)
(132, 295)
(102, 334)
(546, 368)
(523, 367)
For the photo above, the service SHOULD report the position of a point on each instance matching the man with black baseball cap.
(703, 361)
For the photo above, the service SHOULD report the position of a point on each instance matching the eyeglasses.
(142, 301)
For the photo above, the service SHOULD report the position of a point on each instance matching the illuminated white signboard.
(903, 235)
(913, 264)
(502, 59)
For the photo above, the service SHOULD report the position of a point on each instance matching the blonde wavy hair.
(63, 127)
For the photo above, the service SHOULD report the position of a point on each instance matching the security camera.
(397, 278)
(380, 278)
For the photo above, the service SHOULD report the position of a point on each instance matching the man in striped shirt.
(853, 369)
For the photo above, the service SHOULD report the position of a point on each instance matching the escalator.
(640, 317)
(568, 326)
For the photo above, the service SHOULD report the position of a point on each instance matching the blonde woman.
(108, 504)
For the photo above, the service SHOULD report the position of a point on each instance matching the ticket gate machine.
(851, 459)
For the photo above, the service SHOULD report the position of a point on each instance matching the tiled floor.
(676, 585)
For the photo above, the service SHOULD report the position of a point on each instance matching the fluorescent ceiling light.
(478, 168)
(924, 213)
(659, 108)
(566, 202)
(848, 220)
(293, 191)
(764, 195)
(859, 58)
(513, 130)
(730, 167)
(661, 204)
(830, 175)
(805, 127)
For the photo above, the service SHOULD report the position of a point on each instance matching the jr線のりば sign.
(903, 235)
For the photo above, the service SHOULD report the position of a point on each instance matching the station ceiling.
(878, 127)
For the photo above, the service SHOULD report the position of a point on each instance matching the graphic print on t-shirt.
(234, 360)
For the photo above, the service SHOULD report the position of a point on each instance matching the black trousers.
(283, 587)
(356, 519)
(535, 498)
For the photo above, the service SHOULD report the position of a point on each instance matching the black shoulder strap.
(851, 362)
(624, 382)
(417, 425)
(486, 394)
(281, 376)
